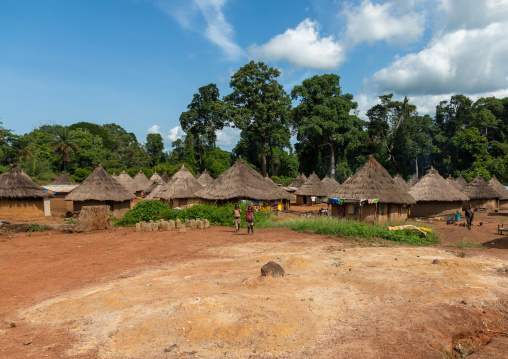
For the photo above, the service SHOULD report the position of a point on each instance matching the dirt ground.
(122, 294)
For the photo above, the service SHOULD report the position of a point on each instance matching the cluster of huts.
(370, 195)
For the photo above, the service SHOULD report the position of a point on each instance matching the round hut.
(451, 181)
(331, 185)
(435, 197)
(371, 195)
(100, 189)
(299, 180)
(403, 184)
(180, 191)
(461, 182)
(63, 180)
(204, 178)
(242, 182)
(501, 190)
(156, 177)
(413, 180)
(60, 188)
(141, 183)
(480, 194)
(165, 177)
(21, 197)
(312, 190)
(128, 182)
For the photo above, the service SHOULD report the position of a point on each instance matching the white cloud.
(174, 134)
(370, 22)
(228, 137)
(154, 129)
(472, 14)
(217, 30)
(302, 47)
(464, 61)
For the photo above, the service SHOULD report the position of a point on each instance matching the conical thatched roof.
(15, 185)
(373, 181)
(127, 181)
(100, 186)
(155, 176)
(433, 187)
(243, 182)
(403, 184)
(499, 188)
(413, 180)
(479, 189)
(63, 180)
(331, 184)
(165, 177)
(114, 175)
(312, 187)
(299, 180)
(461, 181)
(205, 179)
(451, 181)
(141, 181)
(182, 185)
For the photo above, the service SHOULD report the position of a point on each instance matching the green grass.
(465, 244)
(334, 226)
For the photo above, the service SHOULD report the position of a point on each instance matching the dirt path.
(121, 294)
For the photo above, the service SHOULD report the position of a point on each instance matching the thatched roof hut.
(142, 181)
(165, 177)
(413, 180)
(180, 190)
(299, 180)
(499, 188)
(63, 180)
(373, 181)
(100, 186)
(434, 188)
(451, 181)
(114, 175)
(15, 185)
(331, 184)
(312, 187)
(478, 189)
(403, 184)
(241, 181)
(461, 181)
(155, 177)
(127, 181)
(204, 178)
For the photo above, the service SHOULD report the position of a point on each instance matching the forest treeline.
(464, 137)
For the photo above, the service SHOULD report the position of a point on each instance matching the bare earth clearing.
(122, 294)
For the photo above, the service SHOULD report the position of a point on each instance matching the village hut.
(403, 184)
(435, 197)
(165, 177)
(331, 185)
(60, 188)
(461, 181)
(242, 182)
(501, 190)
(128, 182)
(21, 197)
(480, 194)
(312, 190)
(155, 177)
(114, 175)
(204, 178)
(371, 195)
(180, 191)
(450, 180)
(141, 183)
(100, 189)
(413, 180)
(299, 180)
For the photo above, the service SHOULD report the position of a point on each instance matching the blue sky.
(138, 63)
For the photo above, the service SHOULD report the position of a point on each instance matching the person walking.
(469, 216)
(249, 218)
(237, 212)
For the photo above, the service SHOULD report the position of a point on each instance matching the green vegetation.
(465, 244)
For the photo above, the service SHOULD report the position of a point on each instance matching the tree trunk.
(271, 154)
(332, 160)
(263, 156)
(213, 134)
(416, 163)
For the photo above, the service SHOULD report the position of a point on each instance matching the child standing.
(249, 218)
(237, 212)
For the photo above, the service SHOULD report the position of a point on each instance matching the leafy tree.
(154, 147)
(64, 142)
(217, 161)
(260, 104)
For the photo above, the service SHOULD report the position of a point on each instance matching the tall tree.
(206, 114)
(64, 141)
(154, 147)
(322, 118)
(260, 104)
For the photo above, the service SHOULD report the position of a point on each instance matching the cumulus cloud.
(472, 14)
(174, 134)
(370, 22)
(228, 137)
(218, 30)
(154, 129)
(302, 47)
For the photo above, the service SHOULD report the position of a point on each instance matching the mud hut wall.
(491, 204)
(22, 208)
(118, 209)
(303, 200)
(503, 204)
(59, 206)
(435, 209)
(397, 213)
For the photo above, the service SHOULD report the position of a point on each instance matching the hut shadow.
(497, 214)
(498, 243)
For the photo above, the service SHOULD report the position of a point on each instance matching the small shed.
(312, 190)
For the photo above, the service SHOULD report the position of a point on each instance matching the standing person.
(249, 218)
(469, 216)
(237, 212)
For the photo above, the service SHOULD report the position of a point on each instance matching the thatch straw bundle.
(165, 177)
(127, 181)
(400, 181)
(204, 178)
(461, 181)
(100, 186)
(499, 188)
(312, 187)
(299, 180)
(373, 181)
(156, 177)
(433, 187)
(240, 181)
(413, 180)
(141, 181)
(182, 185)
(114, 175)
(17, 185)
(451, 181)
(331, 184)
(479, 189)
(63, 180)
